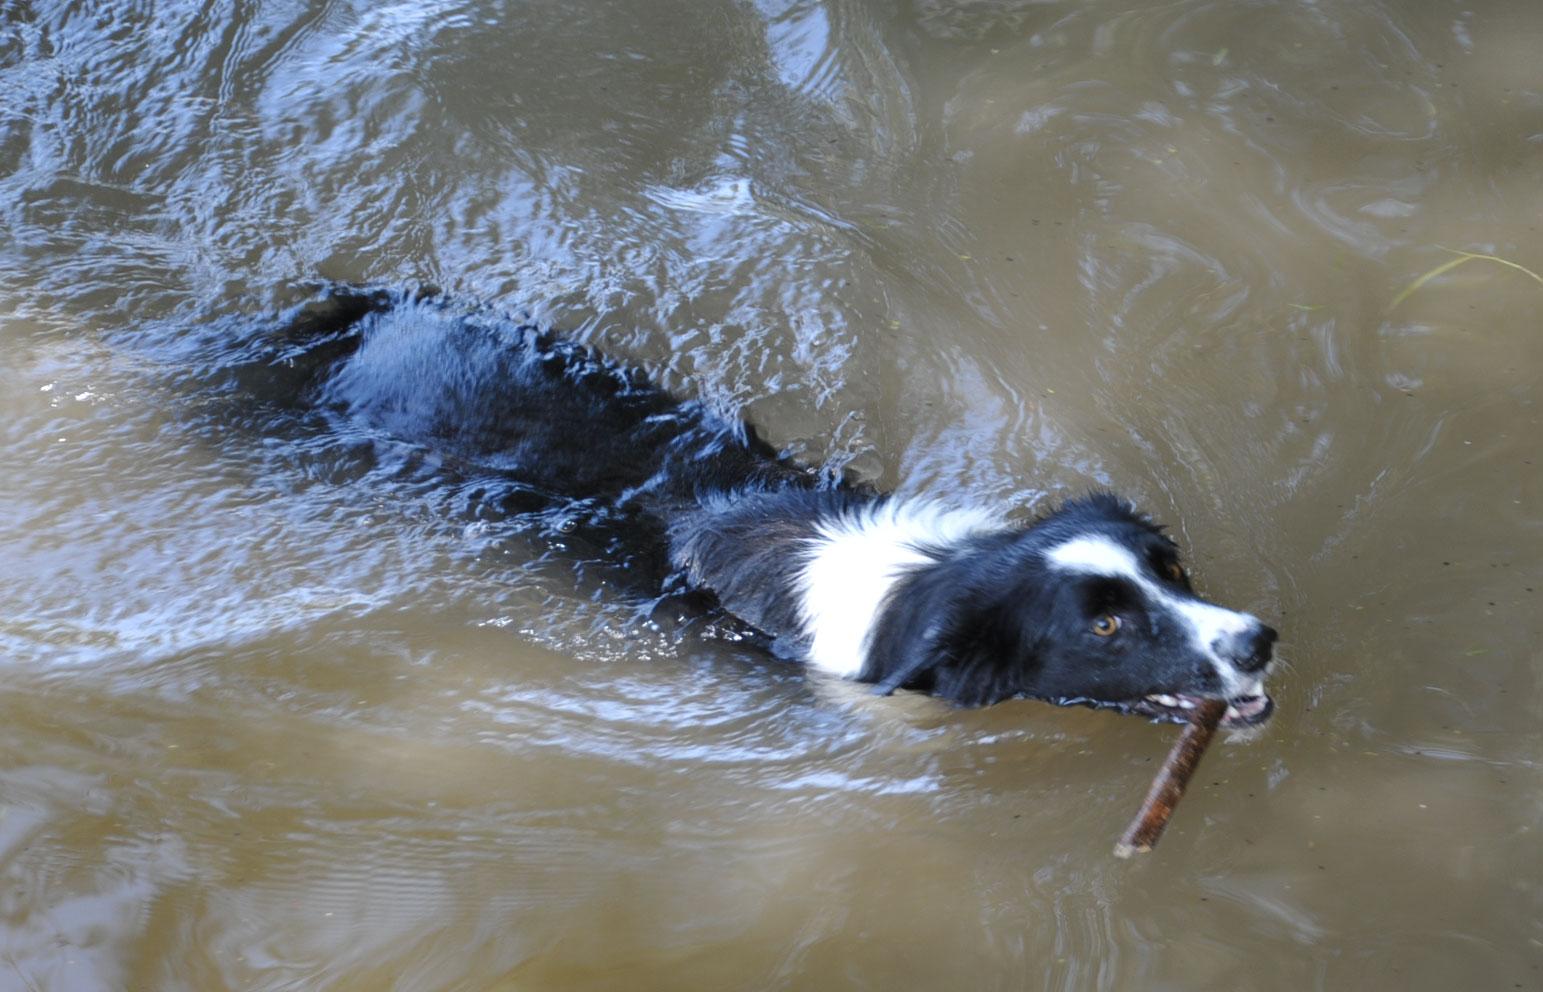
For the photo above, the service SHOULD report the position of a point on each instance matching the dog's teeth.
(1163, 699)
(1188, 704)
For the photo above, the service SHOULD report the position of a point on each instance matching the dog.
(1089, 605)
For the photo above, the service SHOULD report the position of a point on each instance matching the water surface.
(281, 709)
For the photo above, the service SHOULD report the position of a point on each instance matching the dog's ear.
(917, 655)
(995, 647)
(978, 620)
(918, 629)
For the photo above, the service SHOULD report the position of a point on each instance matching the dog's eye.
(1175, 571)
(1106, 624)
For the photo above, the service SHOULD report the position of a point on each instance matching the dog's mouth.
(1248, 710)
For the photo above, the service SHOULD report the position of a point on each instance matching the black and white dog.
(1089, 605)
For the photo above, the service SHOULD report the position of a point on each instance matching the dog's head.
(1090, 606)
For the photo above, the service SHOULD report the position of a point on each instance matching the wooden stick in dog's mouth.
(1168, 787)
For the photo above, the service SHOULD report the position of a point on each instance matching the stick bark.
(1168, 787)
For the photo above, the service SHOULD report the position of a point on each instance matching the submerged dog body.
(1088, 605)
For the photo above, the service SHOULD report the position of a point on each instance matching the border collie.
(1089, 605)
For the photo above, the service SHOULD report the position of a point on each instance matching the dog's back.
(518, 400)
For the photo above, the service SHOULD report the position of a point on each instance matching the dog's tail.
(311, 336)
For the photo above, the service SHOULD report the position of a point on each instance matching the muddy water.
(274, 715)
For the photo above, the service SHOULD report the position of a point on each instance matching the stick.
(1168, 787)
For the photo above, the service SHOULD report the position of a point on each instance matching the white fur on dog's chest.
(855, 562)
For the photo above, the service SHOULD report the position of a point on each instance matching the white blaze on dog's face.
(1236, 646)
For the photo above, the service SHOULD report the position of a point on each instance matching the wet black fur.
(991, 620)
(718, 508)
(987, 621)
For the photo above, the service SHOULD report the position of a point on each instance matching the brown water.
(272, 718)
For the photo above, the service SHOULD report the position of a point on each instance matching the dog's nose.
(1248, 650)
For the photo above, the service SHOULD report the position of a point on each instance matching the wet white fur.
(857, 559)
(1207, 624)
